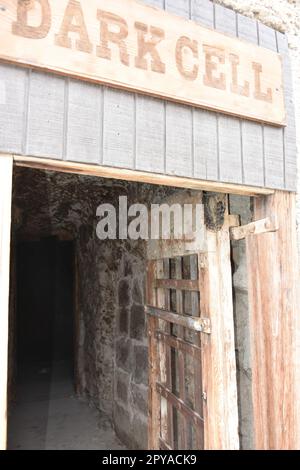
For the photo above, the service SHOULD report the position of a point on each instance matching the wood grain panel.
(290, 145)
(230, 150)
(273, 138)
(150, 134)
(273, 276)
(119, 128)
(120, 58)
(45, 131)
(13, 88)
(84, 123)
(252, 133)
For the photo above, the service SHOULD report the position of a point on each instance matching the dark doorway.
(45, 302)
(44, 372)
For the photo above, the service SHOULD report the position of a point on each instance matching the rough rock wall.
(131, 358)
(242, 206)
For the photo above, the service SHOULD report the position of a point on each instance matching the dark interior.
(45, 302)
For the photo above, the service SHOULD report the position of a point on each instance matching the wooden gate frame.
(273, 274)
(219, 380)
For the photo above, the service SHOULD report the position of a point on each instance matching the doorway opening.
(78, 345)
(79, 332)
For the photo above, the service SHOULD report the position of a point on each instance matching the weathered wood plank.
(252, 133)
(166, 414)
(198, 392)
(202, 11)
(273, 137)
(197, 324)
(84, 123)
(179, 344)
(230, 151)
(150, 134)
(46, 115)
(139, 176)
(247, 28)
(126, 66)
(274, 157)
(253, 153)
(180, 7)
(13, 90)
(179, 404)
(118, 128)
(150, 127)
(179, 155)
(225, 20)
(6, 173)
(154, 372)
(205, 131)
(218, 350)
(205, 134)
(275, 325)
(163, 445)
(290, 144)
(269, 224)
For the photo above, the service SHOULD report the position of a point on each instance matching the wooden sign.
(129, 45)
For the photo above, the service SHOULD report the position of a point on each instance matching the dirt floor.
(47, 415)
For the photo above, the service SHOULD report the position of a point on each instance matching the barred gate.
(175, 326)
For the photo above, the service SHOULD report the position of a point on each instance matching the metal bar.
(198, 324)
(179, 404)
(178, 284)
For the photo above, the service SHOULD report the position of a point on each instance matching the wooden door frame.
(272, 430)
(6, 173)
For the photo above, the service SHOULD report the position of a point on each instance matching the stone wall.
(131, 357)
(242, 207)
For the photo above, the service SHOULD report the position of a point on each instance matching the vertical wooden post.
(6, 167)
(154, 398)
(273, 278)
(218, 349)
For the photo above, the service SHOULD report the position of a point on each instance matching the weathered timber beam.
(139, 176)
(201, 325)
(179, 344)
(269, 224)
(179, 404)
